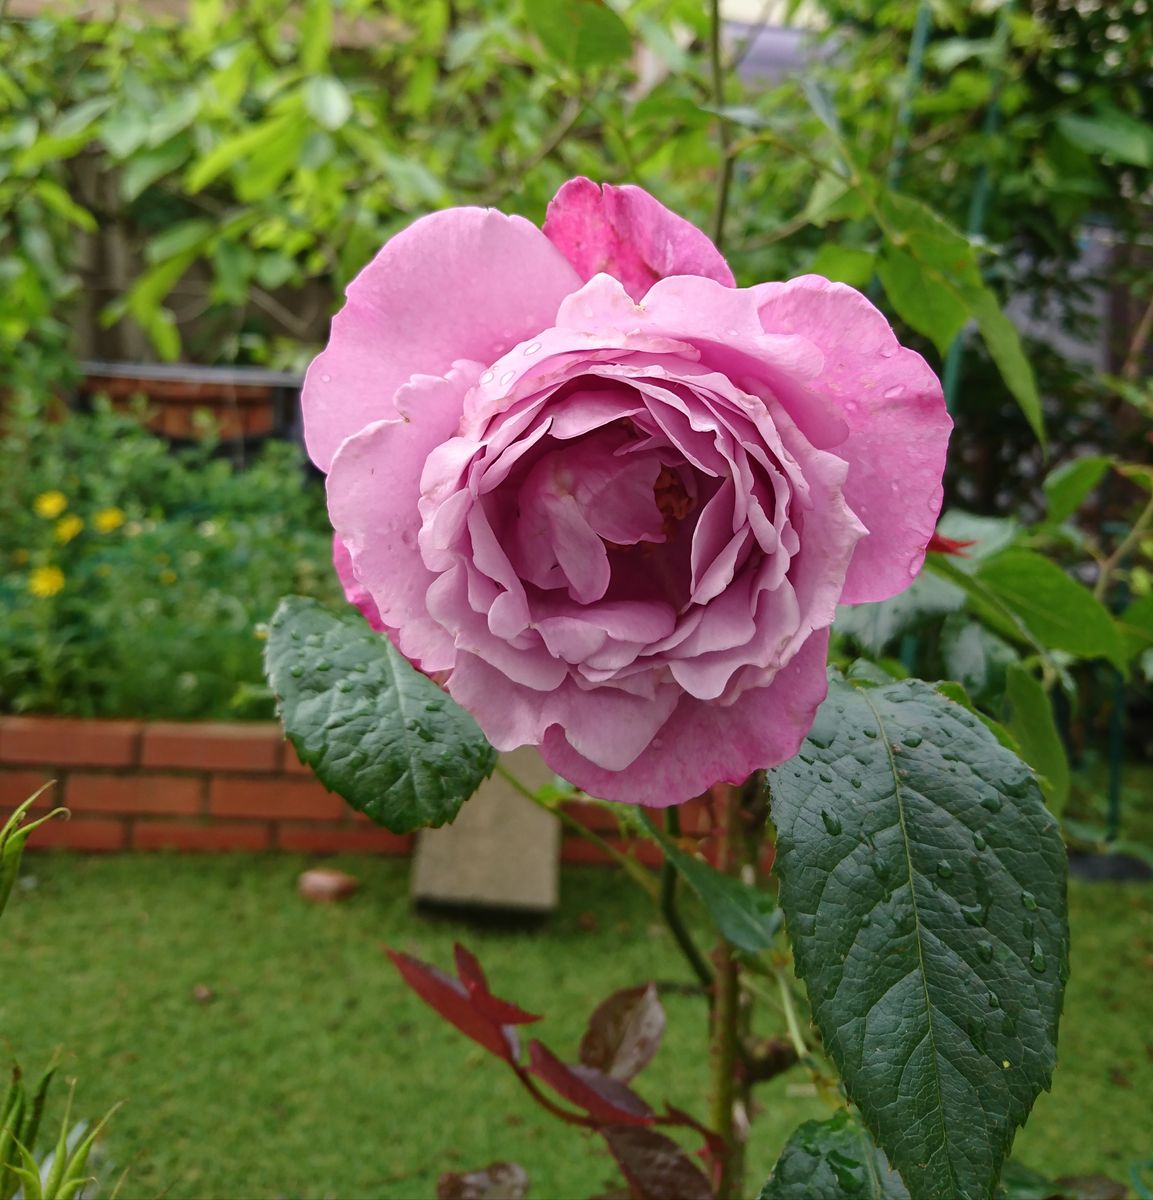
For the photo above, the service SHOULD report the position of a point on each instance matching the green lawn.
(314, 1073)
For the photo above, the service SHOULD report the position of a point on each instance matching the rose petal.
(465, 283)
(703, 743)
(373, 495)
(898, 428)
(354, 591)
(628, 233)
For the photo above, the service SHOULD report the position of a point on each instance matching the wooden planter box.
(208, 786)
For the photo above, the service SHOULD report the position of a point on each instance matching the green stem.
(672, 915)
(792, 1024)
(1124, 548)
(634, 869)
(725, 178)
(726, 1019)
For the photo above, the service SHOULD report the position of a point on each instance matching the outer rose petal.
(629, 234)
(465, 283)
(703, 743)
(354, 592)
(373, 492)
(898, 426)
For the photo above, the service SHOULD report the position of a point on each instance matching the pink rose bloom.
(614, 496)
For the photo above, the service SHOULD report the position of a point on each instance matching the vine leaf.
(923, 885)
(372, 727)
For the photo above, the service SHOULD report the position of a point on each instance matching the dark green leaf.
(1060, 612)
(746, 917)
(1004, 345)
(580, 33)
(1070, 483)
(832, 1160)
(920, 300)
(372, 727)
(923, 885)
(975, 656)
(1136, 627)
(1030, 720)
(876, 626)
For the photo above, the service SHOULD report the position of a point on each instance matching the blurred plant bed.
(186, 400)
(135, 577)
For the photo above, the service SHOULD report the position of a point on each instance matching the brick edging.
(210, 786)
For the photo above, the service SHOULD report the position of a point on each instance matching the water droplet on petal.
(486, 377)
(832, 822)
(888, 351)
(507, 378)
(531, 349)
(895, 391)
(326, 379)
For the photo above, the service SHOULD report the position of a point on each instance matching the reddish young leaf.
(714, 1143)
(450, 999)
(940, 544)
(655, 1166)
(472, 976)
(601, 1096)
(624, 1032)
(498, 1181)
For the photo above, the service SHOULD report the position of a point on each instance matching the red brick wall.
(202, 787)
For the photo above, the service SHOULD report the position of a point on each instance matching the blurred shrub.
(134, 578)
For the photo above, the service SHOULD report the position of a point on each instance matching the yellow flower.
(167, 575)
(50, 505)
(108, 519)
(68, 527)
(45, 581)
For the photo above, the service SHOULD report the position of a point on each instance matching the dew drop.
(869, 733)
(825, 777)
(507, 378)
(985, 951)
(994, 1000)
(912, 740)
(531, 349)
(944, 869)
(324, 665)
(296, 672)
(888, 351)
(979, 842)
(992, 803)
(1037, 962)
(344, 686)
(295, 635)
(832, 822)
(487, 377)
(855, 784)
(895, 391)
(326, 379)
(1028, 928)
(434, 706)
(1029, 901)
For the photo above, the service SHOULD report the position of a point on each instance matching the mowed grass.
(312, 1071)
